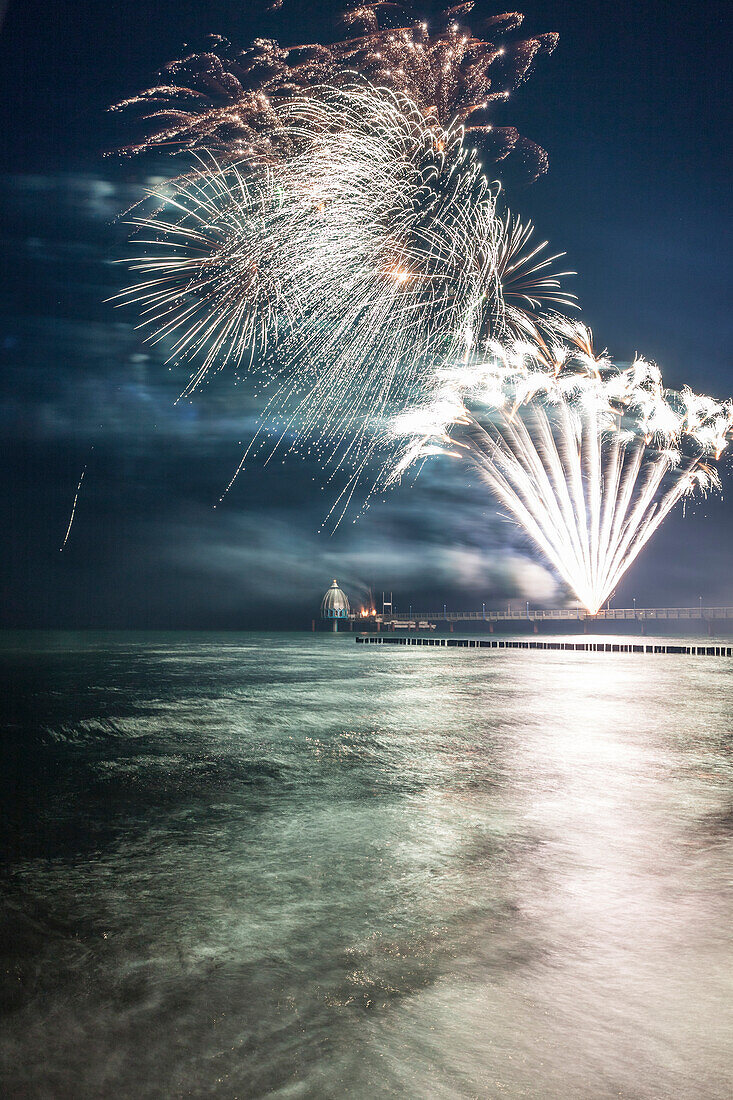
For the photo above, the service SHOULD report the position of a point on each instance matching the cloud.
(148, 547)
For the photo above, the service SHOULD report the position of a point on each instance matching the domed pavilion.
(335, 606)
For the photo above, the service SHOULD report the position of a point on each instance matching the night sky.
(632, 110)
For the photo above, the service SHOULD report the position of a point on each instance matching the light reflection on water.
(284, 865)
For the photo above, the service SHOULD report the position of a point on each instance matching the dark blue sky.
(632, 110)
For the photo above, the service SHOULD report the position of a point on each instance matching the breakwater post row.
(583, 647)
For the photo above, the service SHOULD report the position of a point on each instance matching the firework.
(339, 237)
(373, 251)
(587, 457)
(455, 64)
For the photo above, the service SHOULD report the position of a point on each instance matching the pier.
(565, 614)
(641, 620)
(582, 647)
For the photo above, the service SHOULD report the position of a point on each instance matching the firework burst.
(587, 457)
(372, 251)
(456, 64)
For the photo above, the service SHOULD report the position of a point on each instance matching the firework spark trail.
(73, 512)
(373, 250)
(587, 457)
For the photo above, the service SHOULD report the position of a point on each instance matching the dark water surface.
(288, 866)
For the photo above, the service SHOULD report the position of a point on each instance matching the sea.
(284, 865)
